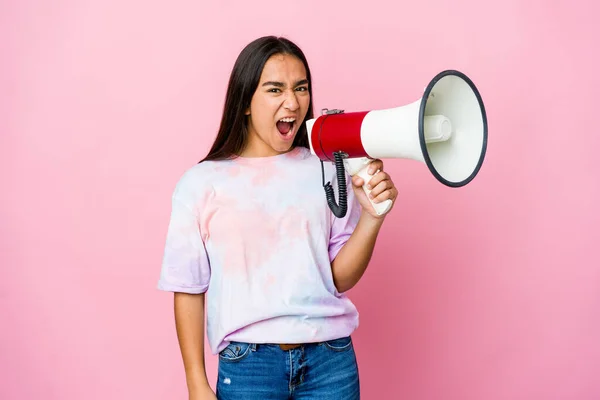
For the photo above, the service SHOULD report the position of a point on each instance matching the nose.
(291, 102)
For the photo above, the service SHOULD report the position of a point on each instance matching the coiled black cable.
(341, 209)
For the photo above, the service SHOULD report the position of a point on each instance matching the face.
(278, 107)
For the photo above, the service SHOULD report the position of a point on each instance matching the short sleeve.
(185, 265)
(342, 228)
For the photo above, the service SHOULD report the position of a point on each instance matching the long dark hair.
(244, 79)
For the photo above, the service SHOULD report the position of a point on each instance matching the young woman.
(251, 228)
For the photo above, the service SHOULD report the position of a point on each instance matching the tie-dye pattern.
(257, 235)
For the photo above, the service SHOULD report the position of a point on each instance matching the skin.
(189, 323)
(352, 260)
(283, 92)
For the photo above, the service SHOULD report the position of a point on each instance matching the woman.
(250, 227)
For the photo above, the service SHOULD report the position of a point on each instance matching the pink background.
(488, 292)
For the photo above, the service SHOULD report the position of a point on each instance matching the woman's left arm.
(351, 262)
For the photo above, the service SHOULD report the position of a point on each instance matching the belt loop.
(253, 346)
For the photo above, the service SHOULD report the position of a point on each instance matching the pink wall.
(488, 292)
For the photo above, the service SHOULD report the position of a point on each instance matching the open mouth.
(285, 126)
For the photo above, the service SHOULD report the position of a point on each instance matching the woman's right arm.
(189, 322)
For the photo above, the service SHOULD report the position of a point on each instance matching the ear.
(247, 112)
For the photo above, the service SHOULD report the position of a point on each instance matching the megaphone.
(446, 129)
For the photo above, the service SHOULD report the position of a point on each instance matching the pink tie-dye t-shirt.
(257, 235)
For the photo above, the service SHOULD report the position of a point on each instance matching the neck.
(256, 148)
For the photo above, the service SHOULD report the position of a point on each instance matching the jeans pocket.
(235, 352)
(341, 344)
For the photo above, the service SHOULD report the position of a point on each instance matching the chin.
(285, 142)
(283, 148)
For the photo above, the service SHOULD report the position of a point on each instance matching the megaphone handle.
(380, 208)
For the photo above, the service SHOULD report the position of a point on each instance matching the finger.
(377, 179)
(387, 194)
(380, 188)
(374, 166)
(357, 181)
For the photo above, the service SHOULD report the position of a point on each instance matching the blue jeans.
(324, 371)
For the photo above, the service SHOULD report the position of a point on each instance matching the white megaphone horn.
(446, 129)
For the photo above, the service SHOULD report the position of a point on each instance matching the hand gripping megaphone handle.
(360, 167)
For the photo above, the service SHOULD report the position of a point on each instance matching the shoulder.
(303, 155)
(196, 182)
(328, 166)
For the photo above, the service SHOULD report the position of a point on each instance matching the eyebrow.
(280, 84)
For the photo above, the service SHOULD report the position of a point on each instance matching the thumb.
(357, 181)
